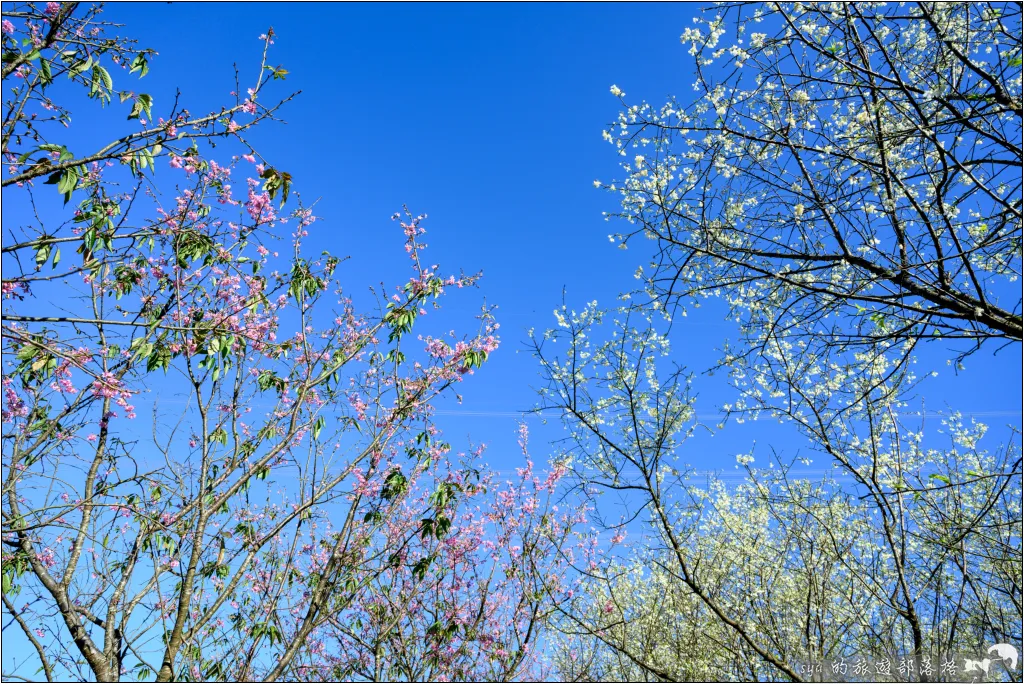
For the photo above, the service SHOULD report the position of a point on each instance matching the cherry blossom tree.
(216, 466)
(468, 605)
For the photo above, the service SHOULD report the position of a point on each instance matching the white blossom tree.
(908, 547)
(846, 177)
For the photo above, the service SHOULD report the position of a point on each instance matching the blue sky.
(486, 117)
(489, 119)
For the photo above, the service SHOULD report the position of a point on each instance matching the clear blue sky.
(486, 117)
(489, 119)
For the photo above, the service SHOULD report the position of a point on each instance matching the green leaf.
(101, 84)
(104, 75)
(143, 103)
(427, 528)
(80, 67)
(67, 183)
(45, 76)
(42, 255)
(142, 348)
(27, 352)
(395, 485)
(139, 64)
(419, 571)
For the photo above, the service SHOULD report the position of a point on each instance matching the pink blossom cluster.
(10, 288)
(109, 386)
(259, 205)
(14, 406)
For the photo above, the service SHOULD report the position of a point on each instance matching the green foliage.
(277, 181)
